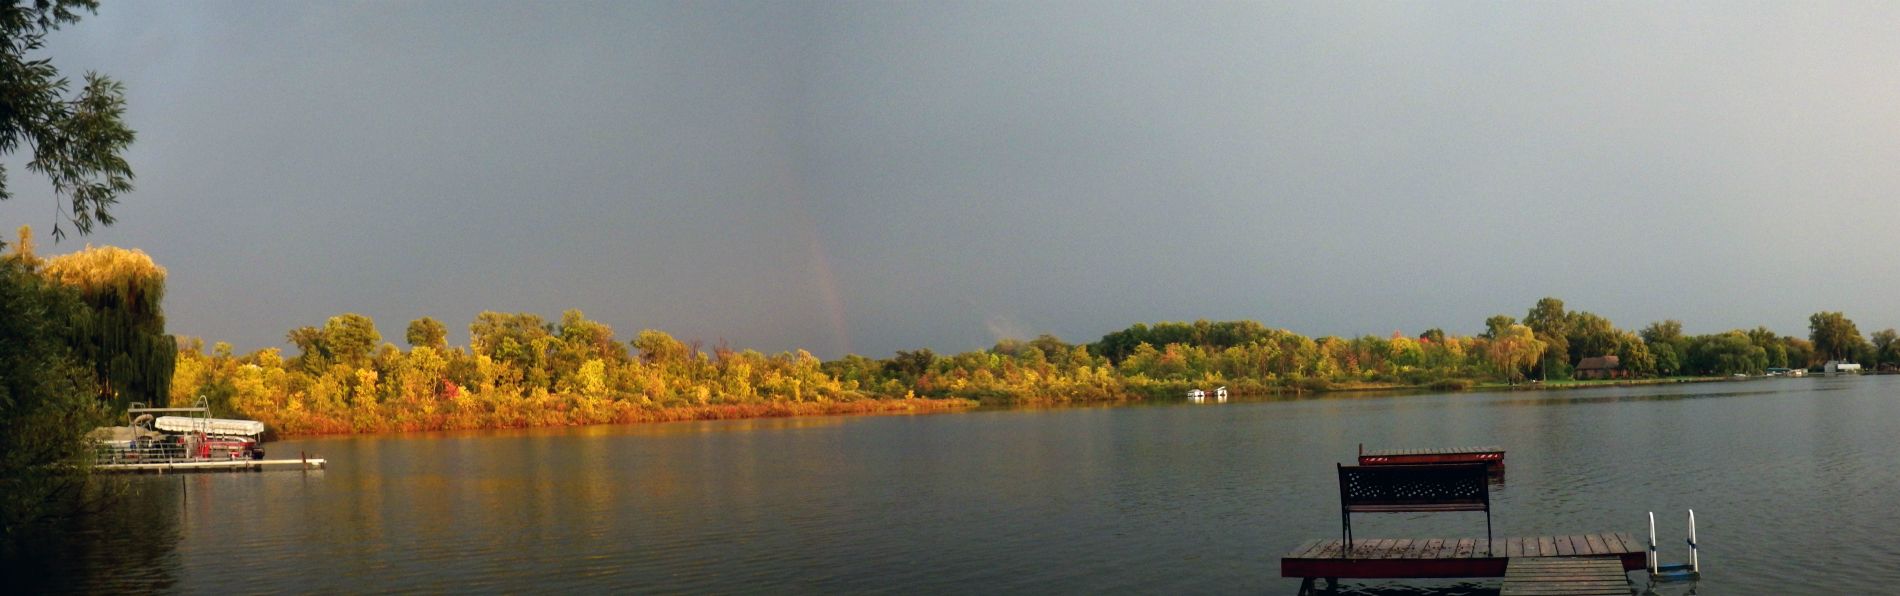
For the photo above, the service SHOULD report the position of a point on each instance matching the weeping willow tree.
(121, 333)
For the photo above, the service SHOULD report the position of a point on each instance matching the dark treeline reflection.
(127, 544)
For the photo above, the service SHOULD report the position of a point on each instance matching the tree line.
(101, 307)
(521, 370)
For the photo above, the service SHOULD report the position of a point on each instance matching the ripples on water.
(1791, 479)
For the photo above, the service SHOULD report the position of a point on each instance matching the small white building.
(1196, 395)
(1220, 394)
(1834, 367)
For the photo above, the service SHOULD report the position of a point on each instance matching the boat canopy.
(210, 426)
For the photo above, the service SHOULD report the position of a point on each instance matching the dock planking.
(1565, 576)
(1452, 557)
(1437, 451)
(1492, 455)
(234, 465)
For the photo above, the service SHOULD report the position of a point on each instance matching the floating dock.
(1390, 558)
(1566, 576)
(1492, 455)
(234, 465)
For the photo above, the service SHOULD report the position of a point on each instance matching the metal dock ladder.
(1672, 572)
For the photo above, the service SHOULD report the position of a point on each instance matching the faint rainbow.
(828, 288)
(792, 191)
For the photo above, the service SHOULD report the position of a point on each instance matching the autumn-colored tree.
(122, 330)
(1513, 349)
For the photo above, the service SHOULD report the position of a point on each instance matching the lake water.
(1793, 482)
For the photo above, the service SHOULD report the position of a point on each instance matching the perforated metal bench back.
(1425, 487)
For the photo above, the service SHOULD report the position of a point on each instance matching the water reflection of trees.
(128, 545)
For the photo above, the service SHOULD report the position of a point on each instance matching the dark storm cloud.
(882, 176)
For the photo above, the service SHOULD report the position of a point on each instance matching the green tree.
(1633, 355)
(521, 340)
(312, 354)
(427, 332)
(589, 338)
(1726, 353)
(350, 338)
(1885, 346)
(657, 347)
(1669, 332)
(1548, 317)
(582, 341)
(1667, 361)
(911, 365)
(78, 140)
(1495, 326)
(1770, 344)
(1590, 335)
(47, 404)
(1834, 335)
(1552, 324)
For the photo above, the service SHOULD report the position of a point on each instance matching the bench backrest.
(1420, 487)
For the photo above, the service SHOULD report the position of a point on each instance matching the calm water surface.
(1793, 482)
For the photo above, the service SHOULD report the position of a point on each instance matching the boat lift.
(1673, 572)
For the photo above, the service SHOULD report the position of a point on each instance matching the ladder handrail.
(1695, 552)
(1652, 543)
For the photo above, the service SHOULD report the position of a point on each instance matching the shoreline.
(947, 405)
(868, 407)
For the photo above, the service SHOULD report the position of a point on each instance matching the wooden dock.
(1492, 455)
(1451, 557)
(1566, 576)
(234, 465)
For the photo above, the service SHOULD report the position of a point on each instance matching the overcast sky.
(869, 177)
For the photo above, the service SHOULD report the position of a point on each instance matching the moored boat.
(178, 435)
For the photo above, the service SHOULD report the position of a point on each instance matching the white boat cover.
(213, 426)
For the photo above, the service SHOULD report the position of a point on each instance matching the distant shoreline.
(920, 405)
(696, 414)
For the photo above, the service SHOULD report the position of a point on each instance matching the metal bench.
(1412, 488)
